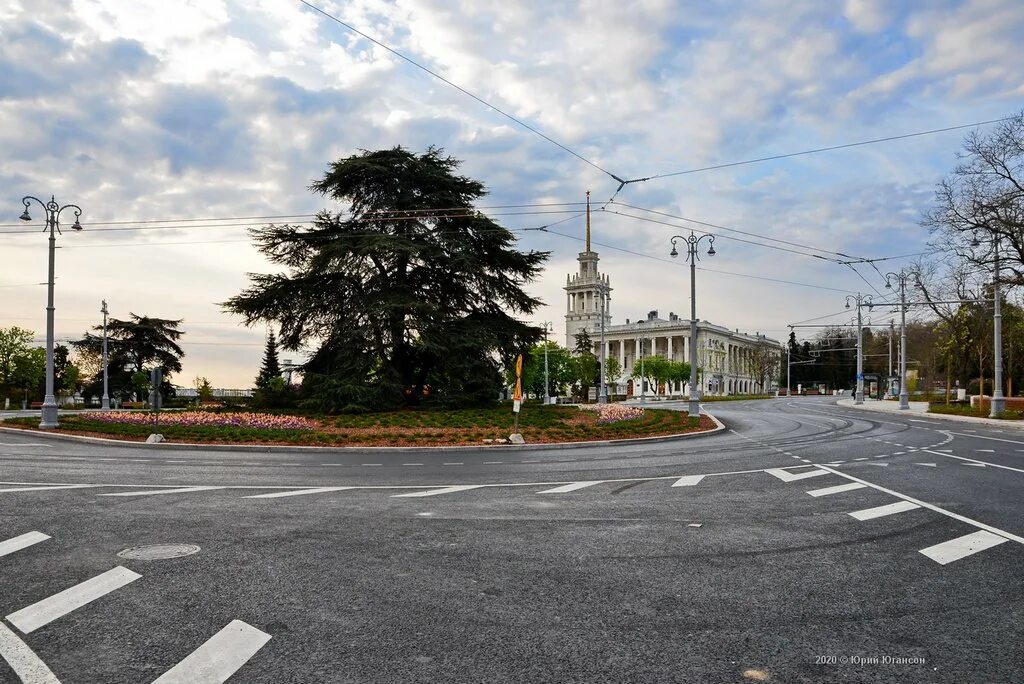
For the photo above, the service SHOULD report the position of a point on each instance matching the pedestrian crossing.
(213, 662)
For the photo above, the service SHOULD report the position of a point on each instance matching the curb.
(267, 448)
(1014, 424)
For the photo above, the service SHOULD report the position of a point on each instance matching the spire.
(588, 220)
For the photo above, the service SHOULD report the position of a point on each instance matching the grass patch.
(538, 424)
(972, 412)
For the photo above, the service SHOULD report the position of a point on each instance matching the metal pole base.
(694, 411)
(106, 404)
(998, 406)
(49, 415)
(858, 397)
(904, 402)
(602, 399)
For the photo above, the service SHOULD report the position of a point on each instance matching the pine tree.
(271, 367)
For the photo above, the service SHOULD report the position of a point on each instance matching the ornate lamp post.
(998, 403)
(902, 278)
(692, 241)
(862, 300)
(547, 387)
(53, 211)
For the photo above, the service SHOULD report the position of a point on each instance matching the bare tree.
(763, 362)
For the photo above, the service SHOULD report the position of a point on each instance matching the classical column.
(668, 353)
(622, 355)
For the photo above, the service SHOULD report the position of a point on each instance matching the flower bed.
(262, 421)
(614, 413)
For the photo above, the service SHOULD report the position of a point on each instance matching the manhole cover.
(158, 551)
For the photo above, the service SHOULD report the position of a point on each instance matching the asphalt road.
(583, 565)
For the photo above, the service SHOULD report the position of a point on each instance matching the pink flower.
(209, 419)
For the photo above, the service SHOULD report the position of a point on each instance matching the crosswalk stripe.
(219, 657)
(688, 480)
(297, 492)
(176, 490)
(882, 511)
(435, 492)
(787, 476)
(838, 489)
(569, 487)
(964, 546)
(26, 664)
(21, 541)
(60, 604)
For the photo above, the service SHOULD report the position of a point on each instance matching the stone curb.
(263, 448)
(1015, 424)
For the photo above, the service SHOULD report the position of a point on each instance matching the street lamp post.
(643, 378)
(692, 242)
(106, 394)
(53, 211)
(862, 301)
(902, 278)
(998, 403)
(789, 367)
(603, 396)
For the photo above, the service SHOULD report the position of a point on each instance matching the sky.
(145, 110)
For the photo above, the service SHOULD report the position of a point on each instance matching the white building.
(723, 355)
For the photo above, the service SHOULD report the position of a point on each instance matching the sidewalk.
(918, 408)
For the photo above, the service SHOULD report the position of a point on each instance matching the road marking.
(688, 481)
(453, 463)
(176, 490)
(993, 465)
(26, 664)
(435, 492)
(492, 462)
(570, 487)
(883, 465)
(930, 465)
(986, 451)
(899, 453)
(976, 465)
(994, 439)
(371, 464)
(861, 459)
(18, 444)
(787, 476)
(838, 489)
(219, 657)
(932, 507)
(297, 492)
(964, 546)
(44, 612)
(39, 489)
(882, 511)
(22, 541)
(412, 464)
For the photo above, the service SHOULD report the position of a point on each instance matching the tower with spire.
(583, 294)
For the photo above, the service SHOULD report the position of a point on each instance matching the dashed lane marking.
(838, 489)
(39, 489)
(930, 465)
(60, 604)
(22, 541)
(986, 451)
(25, 663)
(976, 465)
(688, 481)
(219, 657)
(882, 511)
(436, 492)
(296, 492)
(570, 487)
(974, 460)
(964, 546)
(176, 490)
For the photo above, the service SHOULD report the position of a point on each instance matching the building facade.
(726, 358)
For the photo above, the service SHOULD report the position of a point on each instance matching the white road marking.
(219, 657)
(26, 664)
(883, 465)
(688, 481)
(176, 490)
(976, 465)
(39, 489)
(570, 487)
(882, 511)
(44, 612)
(986, 463)
(899, 453)
(838, 489)
(22, 541)
(964, 546)
(492, 462)
(297, 492)
(435, 492)
(986, 451)
(453, 463)
(930, 465)
(372, 464)
(787, 476)
(861, 459)
(17, 444)
(412, 464)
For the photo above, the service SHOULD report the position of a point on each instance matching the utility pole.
(902, 278)
(998, 401)
(643, 379)
(789, 368)
(106, 394)
(547, 391)
(603, 396)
